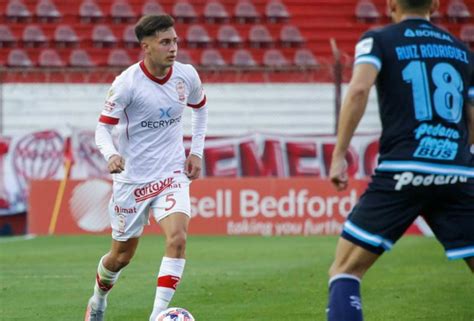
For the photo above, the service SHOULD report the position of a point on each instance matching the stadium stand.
(260, 37)
(7, 39)
(152, 7)
(119, 58)
(46, 11)
(33, 36)
(275, 11)
(90, 11)
(228, 36)
(99, 26)
(80, 58)
(50, 58)
(366, 11)
(197, 36)
(458, 10)
(19, 58)
(245, 12)
(215, 12)
(212, 58)
(467, 35)
(290, 36)
(65, 36)
(17, 11)
(184, 12)
(243, 58)
(121, 11)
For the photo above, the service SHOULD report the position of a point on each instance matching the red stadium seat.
(458, 11)
(7, 39)
(467, 34)
(366, 11)
(80, 58)
(129, 38)
(212, 58)
(33, 36)
(50, 58)
(19, 58)
(102, 36)
(65, 36)
(89, 11)
(290, 36)
(17, 11)
(259, 36)
(46, 11)
(119, 58)
(274, 58)
(152, 7)
(245, 12)
(183, 11)
(184, 57)
(228, 36)
(121, 11)
(275, 11)
(197, 36)
(214, 12)
(304, 59)
(243, 58)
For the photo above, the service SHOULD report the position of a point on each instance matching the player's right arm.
(367, 66)
(117, 100)
(352, 110)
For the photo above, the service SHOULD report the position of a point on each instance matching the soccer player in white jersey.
(151, 174)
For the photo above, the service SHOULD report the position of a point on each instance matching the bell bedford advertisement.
(257, 184)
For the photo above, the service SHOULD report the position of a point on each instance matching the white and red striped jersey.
(148, 111)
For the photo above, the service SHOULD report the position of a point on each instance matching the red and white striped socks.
(169, 276)
(104, 282)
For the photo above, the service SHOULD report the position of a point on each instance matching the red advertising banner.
(220, 206)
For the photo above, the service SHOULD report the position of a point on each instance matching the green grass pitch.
(231, 278)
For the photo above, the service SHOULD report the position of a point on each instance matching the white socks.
(105, 280)
(169, 276)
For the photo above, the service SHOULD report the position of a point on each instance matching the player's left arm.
(198, 102)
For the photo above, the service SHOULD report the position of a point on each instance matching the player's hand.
(192, 167)
(338, 173)
(116, 164)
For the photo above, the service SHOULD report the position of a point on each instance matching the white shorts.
(130, 204)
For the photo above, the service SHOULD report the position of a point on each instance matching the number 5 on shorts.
(170, 199)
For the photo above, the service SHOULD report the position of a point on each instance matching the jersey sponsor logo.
(165, 112)
(409, 178)
(124, 210)
(436, 142)
(426, 33)
(409, 33)
(181, 90)
(155, 188)
(158, 124)
(364, 46)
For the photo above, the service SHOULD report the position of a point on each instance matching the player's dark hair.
(151, 24)
(416, 5)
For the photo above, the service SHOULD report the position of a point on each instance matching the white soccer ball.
(175, 314)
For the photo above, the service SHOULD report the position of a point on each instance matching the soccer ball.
(175, 314)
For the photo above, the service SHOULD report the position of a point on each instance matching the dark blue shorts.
(393, 201)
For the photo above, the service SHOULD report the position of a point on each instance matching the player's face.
(162, 48)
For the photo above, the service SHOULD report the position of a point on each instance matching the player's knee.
(352, 268)
(176, 243)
